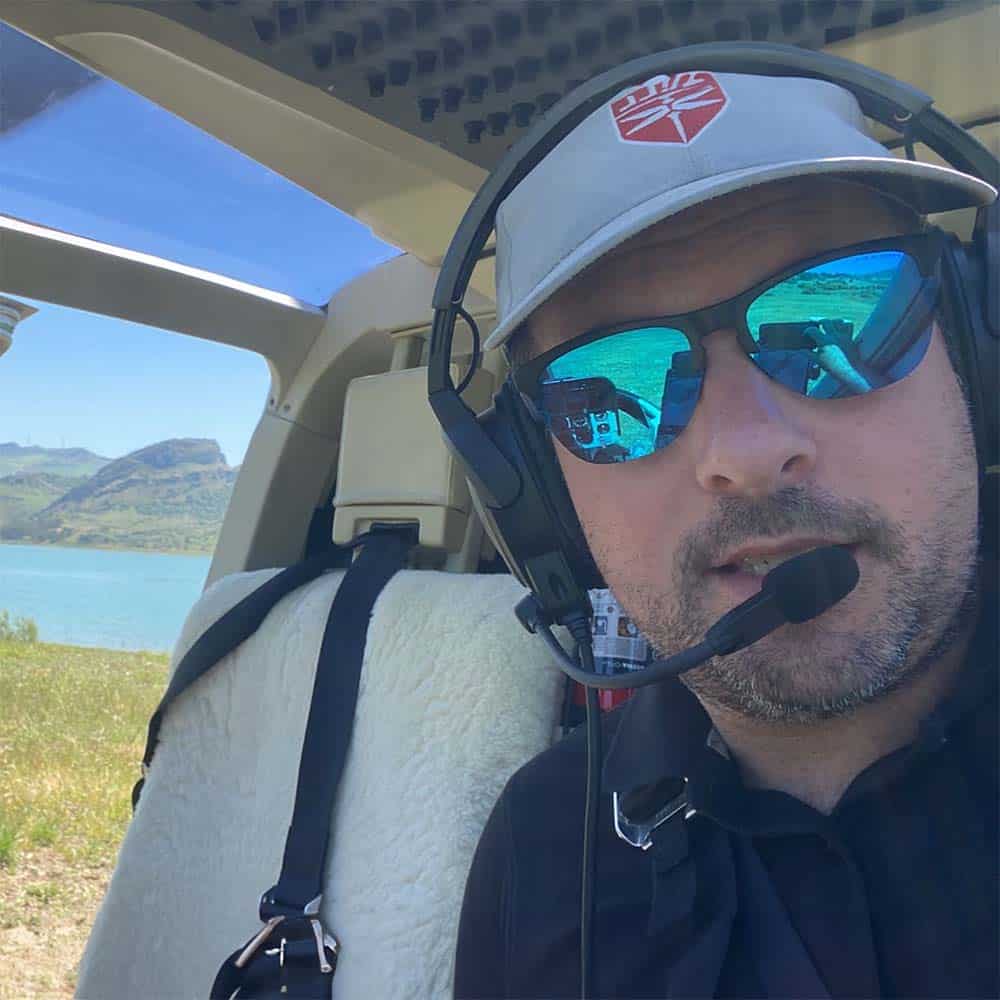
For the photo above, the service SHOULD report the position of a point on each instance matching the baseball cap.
(674, 141)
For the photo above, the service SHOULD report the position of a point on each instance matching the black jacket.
(757, 894)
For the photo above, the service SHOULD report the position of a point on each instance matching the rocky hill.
(169, 496)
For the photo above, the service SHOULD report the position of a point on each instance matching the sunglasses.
(840, 324)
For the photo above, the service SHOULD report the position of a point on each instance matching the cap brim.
(926, 187)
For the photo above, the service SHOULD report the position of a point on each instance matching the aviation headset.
(507, 452)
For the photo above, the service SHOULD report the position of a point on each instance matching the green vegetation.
(6, 846)
(26, 494)
(72, 730)
(167, 497)
(18, 630)
(32, 459)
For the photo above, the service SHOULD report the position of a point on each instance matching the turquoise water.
(90, 597)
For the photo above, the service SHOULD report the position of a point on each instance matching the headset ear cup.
(494, 518)
(538, 535)
(976, 346)
(534, 443)
(987, 242)
(978, 351)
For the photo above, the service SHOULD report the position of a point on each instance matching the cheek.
(903, 447)
(632, 514)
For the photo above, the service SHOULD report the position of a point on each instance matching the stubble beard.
(920, 605)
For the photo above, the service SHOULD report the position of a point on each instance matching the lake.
(93, 597)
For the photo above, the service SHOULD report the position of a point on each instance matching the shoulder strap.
(302, 958)
(331, 719)
(224, 635)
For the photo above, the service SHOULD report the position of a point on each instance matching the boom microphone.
(796, 591)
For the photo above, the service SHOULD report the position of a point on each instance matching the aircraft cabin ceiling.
(468, 77)
(395, 111)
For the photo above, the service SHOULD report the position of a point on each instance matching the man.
(838, 778)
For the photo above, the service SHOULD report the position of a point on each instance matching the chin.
(778, 680)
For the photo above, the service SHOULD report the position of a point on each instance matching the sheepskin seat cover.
(454, 697)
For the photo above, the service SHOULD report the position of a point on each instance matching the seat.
(454, 697)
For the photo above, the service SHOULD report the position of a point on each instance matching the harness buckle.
(638, 833)
(293, 915)
(324, 940)
(256, 941)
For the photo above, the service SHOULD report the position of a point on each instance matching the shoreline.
(108, 548)
(77, 648)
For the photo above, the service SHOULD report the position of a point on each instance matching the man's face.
(892, 472)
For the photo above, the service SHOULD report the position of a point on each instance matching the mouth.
(743, 572)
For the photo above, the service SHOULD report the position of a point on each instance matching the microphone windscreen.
(807, 585)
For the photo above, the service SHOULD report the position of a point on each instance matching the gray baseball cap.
(675, 141)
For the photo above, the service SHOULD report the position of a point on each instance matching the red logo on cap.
(669, 108)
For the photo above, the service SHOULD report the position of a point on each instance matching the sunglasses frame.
(925, 249)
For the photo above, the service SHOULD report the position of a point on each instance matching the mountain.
(15, 460)
(169, 496)
(26, 493)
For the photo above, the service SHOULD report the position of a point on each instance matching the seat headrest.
(394, 465)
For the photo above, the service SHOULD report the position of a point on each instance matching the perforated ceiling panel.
(470, 76)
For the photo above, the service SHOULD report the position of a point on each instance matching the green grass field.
(72, 729)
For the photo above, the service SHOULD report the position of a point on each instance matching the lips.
(737, 582)
(772, 552)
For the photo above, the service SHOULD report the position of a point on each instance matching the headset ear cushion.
(978, 357)
(987, 240)
(978, 349)
(542, 523)
(536, 445)
(494, 518)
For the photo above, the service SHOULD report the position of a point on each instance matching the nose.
(749, 440)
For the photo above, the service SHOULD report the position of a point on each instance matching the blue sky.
(107, 164)
(871, 263)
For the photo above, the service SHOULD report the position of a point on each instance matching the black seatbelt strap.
(319, 537)
(665, 835)
(223, 636)
(734, 868)
(292, 956)
(673, 877)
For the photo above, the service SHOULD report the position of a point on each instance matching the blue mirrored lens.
(621, 397)
(837, 329)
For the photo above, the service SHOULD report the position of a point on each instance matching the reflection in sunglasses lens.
(838, 329)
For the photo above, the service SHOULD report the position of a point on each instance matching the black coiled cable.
(591, 809)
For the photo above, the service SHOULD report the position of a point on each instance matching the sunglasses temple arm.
(912, 325)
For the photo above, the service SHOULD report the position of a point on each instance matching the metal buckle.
(319, 933)
(322, 938)
(637, 833)
(255, 942)
(279, 951)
